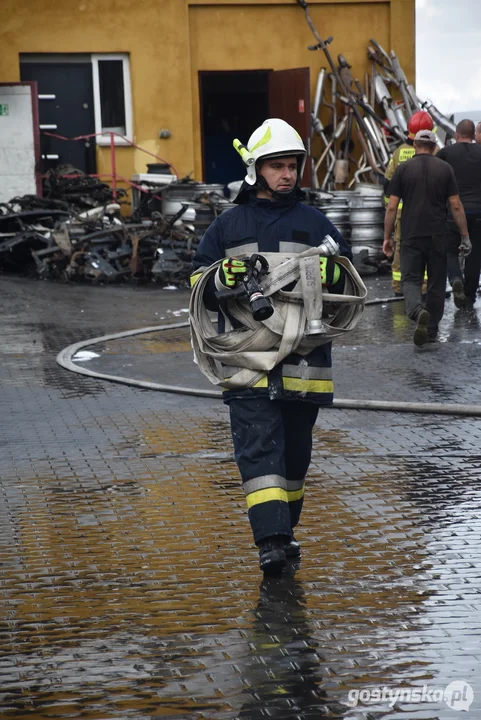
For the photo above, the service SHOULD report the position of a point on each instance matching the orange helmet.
(420, 120)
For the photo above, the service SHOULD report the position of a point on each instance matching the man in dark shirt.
(426, 185)
(477, 136)
(465, 159)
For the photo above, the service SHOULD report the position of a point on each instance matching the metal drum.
(368, 189)
(368, 235)
(345, 230)
(339, 195)
(204, 201)
(337, 207)
(366, 243)
(359, 216)
(337, 214)
(192, 191)
(367, 201)
(367, 227)
(366, 216)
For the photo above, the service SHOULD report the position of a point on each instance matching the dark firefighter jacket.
(260, 225)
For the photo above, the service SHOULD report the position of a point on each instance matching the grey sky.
(448, 53)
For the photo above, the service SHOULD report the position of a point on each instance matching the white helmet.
(274, 138)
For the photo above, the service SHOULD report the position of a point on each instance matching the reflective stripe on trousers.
(272, 487)
(297, 378)
(272, 443)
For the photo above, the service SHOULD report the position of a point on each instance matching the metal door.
(66, 107)
(289, 99)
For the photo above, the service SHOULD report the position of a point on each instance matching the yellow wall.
(169, 41)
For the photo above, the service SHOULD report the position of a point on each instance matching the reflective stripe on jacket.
(403, 153)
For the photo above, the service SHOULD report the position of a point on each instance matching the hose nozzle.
(329, 247)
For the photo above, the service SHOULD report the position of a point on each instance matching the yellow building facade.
(172, 44)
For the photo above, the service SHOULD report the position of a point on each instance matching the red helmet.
(421, 120)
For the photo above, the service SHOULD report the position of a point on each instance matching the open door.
(289, 99)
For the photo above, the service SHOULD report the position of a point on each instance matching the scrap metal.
(77, 232)
(377, 112)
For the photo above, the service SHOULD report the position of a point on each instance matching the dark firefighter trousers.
(472, 264)
(417, 255)
(273, 444)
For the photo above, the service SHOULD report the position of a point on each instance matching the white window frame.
(104, 139)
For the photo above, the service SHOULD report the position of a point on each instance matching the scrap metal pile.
(76, 232)
(374, 112)
(364, 122)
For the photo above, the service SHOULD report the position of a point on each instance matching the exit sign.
(3, 109)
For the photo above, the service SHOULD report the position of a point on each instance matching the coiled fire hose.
(296, 325)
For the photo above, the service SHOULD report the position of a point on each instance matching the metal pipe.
(400, 117)
(358, 173)
(329, 172)
(367, 151)
(402, 82)
(444, 122)
(318, 93)
(323, 45)
(384, 98)
(372, 87)
(379, 140)
(335, 136)
(333, 101)
(319, 128)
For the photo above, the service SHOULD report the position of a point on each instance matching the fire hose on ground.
(64, 359)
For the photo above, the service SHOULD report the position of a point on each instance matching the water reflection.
(464, 327)
(284, 669)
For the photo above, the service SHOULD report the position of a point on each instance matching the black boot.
(272, 555)
(421, 331)
(458, 293)
(292, 548)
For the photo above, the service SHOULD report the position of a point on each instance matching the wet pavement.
(129, 584)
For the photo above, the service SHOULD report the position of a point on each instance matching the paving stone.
(129, 585)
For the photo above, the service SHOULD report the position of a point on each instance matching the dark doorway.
(232, 105)
(66, 104)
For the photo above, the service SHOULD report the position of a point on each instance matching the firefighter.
(465, 159)
(427, 186)
(272, 421)
(420, 120)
